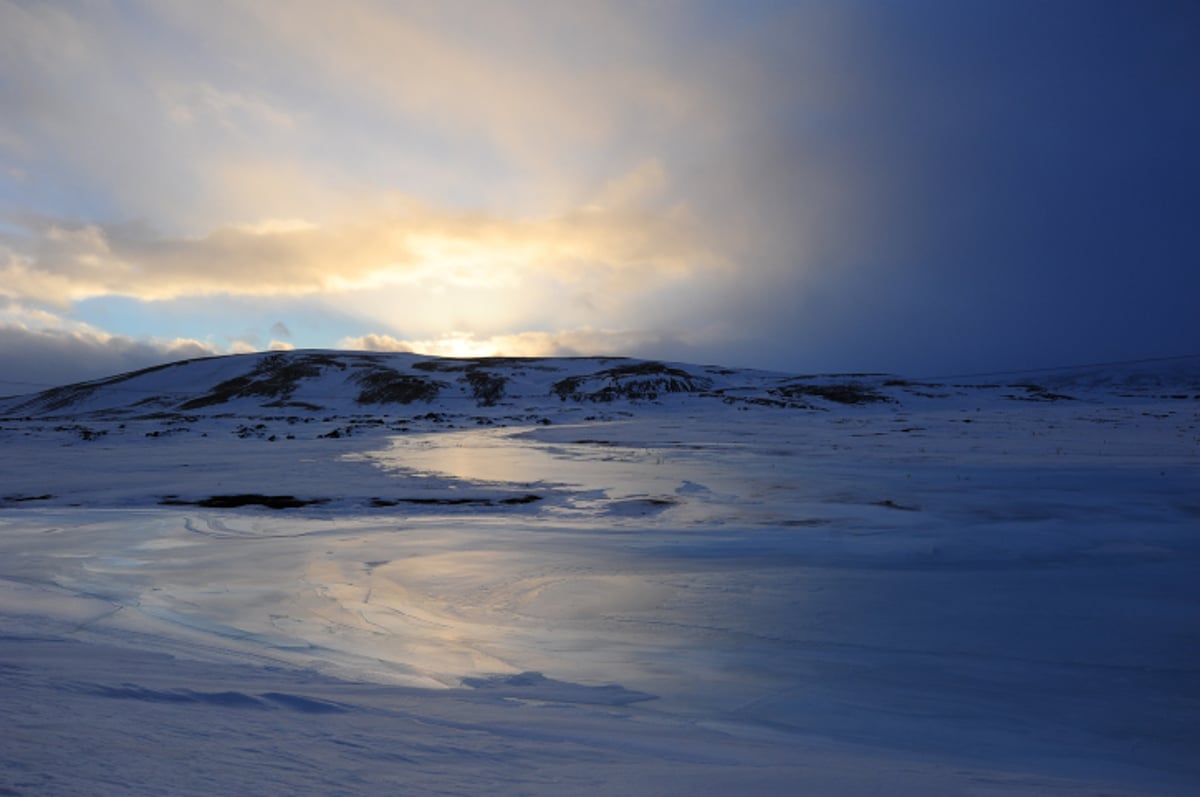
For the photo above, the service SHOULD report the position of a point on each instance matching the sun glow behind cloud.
(432, 265)
(475, 187)
(816, 184)
(454, 177)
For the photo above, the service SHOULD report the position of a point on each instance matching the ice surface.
(961, 591)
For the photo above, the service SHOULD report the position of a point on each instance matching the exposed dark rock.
(486, 388)
(842, 393)
(382, 385)
(638, 380)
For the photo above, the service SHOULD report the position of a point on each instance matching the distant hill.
(303, 382)
(310, 382)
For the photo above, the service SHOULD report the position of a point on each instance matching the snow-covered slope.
(305, 383)
(301, 382)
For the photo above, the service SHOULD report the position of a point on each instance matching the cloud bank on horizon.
(924, 187)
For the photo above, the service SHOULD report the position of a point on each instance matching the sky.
(923, 188)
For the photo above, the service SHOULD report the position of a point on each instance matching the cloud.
(243, 347)
(452, 103)
(374, 342)
(36, 359)
(279, 329)
(567, 343)
(56, 262)
(539, 88)
(199, 103)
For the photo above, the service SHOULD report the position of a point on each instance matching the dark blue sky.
(919, 187)
(1025, 188)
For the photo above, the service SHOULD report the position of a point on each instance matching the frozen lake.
(988, 601)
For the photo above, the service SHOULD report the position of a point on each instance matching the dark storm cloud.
(33, 360)
(999, 185)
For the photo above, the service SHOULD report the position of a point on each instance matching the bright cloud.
(566, 343)
(56, 263)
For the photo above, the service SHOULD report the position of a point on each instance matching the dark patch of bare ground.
(638, 381)
(452, 364)
(486, 389)
(382, 385)
(245, 499)
(843, 393)
(20, 499)
(528, 498)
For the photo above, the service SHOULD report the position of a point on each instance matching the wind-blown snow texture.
(337, 573)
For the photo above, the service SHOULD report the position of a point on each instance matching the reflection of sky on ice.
(512, 457)
(967, 593)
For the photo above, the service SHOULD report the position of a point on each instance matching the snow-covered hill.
(305, 383)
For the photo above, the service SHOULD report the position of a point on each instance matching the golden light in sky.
(781, 184)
